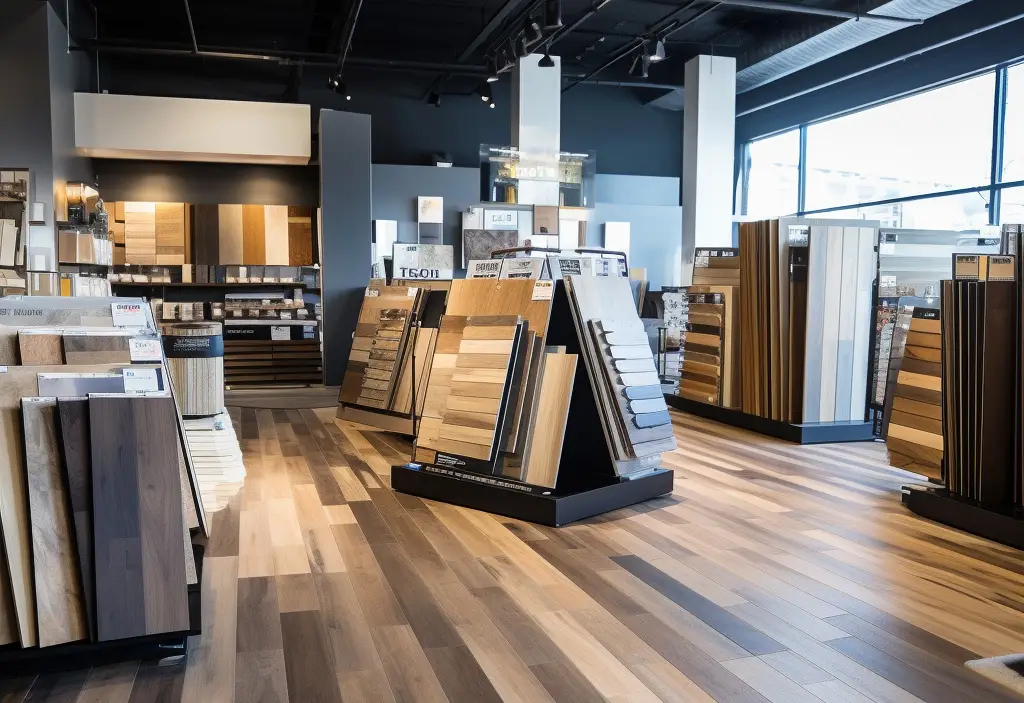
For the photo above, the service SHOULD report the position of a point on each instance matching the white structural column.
(537, 127)
(709, 147)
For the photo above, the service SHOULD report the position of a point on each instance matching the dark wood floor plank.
(460, 675)
(308, 663)
(159, 682)
(258, 623)
(720, 619)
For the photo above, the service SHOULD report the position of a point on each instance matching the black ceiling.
(464, 32)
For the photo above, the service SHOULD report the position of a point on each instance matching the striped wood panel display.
(703, 349)
(716, 267)
(229, 235)
(378, 297)
(254, 234)
(196, 366)
(275, 236)
(140, 233)
(266, 362)
(914, 438)
(170, 233)
(205, 234)
(387, 348)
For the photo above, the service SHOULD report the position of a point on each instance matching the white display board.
(433, 262)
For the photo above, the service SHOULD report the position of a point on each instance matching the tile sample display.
(40, 347)
(60, 610)
(140, 568)
(477, 244)
(97, 349)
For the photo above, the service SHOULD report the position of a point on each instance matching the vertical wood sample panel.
(866, 268)
(830, 326)
(817, 260)
(847, 320)
(140, 232)
(170, 233)
(254, 248)
(205, 234)
(276, 237)
(229, 232)
(60, 611)
(74, 439)
(300, 236)
(140, 567)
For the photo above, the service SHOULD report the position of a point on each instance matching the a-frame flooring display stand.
(586, 484)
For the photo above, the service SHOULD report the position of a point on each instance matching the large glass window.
(935, 141)
(968, 211)
(774, 176)
(1013, 152)
(1011, 211)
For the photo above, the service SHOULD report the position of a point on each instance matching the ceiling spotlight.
(491, 105)
(435, 99)
(546, 61)
(492, 75)
(659, 51)
(552, 14)
(641, 61)
(338, 86)
(485, 93)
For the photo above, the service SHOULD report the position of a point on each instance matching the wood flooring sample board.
(556, 381)
(491, 296)
(300, 236)
(74, 439)
(276, 236)
(60, 608)
(254, 247)
(229, 234)
(205, 234)
(140, 567)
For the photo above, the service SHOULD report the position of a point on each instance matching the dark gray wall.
(25, 134)
(395, 189)
(207, 183)
(345, 187)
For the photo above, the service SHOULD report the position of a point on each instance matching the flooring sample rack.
(587, 483)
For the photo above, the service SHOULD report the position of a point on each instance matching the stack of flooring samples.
(914, 437)
(709, 370)
(387, 347)
(716, 267)
(377, 359)
(621, 368)
(805, 319)
(267, 361)
(979, 365)
(217, 458)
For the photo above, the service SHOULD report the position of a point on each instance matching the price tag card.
(143, 349)
(281, 333)
(129, 315)
(543, 290)
(140, 380)
(488, 268)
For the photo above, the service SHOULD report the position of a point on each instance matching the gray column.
(709, 129)
(346, 226)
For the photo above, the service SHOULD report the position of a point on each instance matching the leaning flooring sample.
(60, 607)
(545, 445)
(140, 568)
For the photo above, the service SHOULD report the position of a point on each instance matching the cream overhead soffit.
(189, 129)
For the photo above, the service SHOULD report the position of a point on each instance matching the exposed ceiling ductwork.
(831, 42)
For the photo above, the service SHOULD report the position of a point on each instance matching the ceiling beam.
(191, 28)
(773, 6)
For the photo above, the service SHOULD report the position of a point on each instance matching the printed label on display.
(144, 350)
(489, 268)
(543, 290)
(140, 380)
(129, 315)
(280, 333)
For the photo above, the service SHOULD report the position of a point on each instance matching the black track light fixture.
(492, 71)
(552, 14)
(338, 86)
(435, 99)
(532, 30)
(485, 93)
(659, 51)
(546, 61)
(521, 50)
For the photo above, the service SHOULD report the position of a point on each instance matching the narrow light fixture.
(521, 49)
(492, 76)
(552, 14)
(659, 51)
(485, 93)
(532, 29)
(546, 61)
(338, 86)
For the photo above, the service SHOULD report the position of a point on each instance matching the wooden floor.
(774, 572)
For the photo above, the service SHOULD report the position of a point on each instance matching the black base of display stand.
(807, 433)
(553, 511)
(1002, 526)
(15, 661)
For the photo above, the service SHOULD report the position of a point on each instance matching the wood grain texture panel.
(97, 349)
(169, 220)
(544, 452)
(254, 248)
(206, 234)
(230, 248)
(300, 236)
(140, 567)
(60, 610)
(77, 461)
(469, 297)
(276, 239)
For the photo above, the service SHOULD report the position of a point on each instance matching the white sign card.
(521, 268)
(280, 333)
(140, 380)
(501, 219)
(142, 349)
(543, 290)
(430, 210)
(433, 262)
(487, 268)
(129, 315)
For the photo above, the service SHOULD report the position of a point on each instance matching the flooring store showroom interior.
(773, 572)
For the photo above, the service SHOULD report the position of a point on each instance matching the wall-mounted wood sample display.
(716, 267)
(140, 233)
(914, 436)
(300, 236)
(171, 222)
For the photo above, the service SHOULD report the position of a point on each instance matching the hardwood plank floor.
(772, 573)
